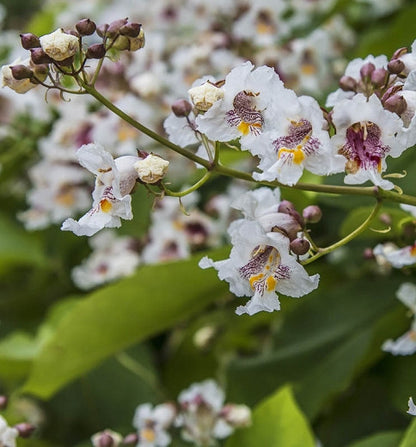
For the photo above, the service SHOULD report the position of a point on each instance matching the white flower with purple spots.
(115, 179)
(366, 134)
(240, 113)
(298, 141)
(259, 266)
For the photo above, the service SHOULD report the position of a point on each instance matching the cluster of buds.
(64, 53)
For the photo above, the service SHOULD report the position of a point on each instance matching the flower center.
(244, 114)
(264, 269)
(363, 147)
(147, 434)
(297, 144)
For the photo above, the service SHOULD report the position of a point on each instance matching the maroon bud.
(96, 51)
(102, 29)
(25, 429)
(395, 104)
(385, 218)
(379, 77)
(286, 207)
(312, 214)
(114, 27)
(38, 56)
(395, 66)
(142, 154)
(29, 41)
(181, 108)
(300, 246)
(20, 72)
(368, 253)
(398, 53)
(86, 27)
(348, 84)
(131, 29)
(72, 32)
(4, 400)
(105, 440)
(131, 439)
(366, 71)
(66, 62)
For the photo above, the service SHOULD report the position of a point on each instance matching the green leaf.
(117, 316)
(387, 439)
(409, 439)
(277, 422)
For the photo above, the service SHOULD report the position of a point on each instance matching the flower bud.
(396, 104)
(237, 415)
(395, 66)
(4, 400)
(131, 439)
(136, 43)
(29, 41)
(102, 29)
(59, 45)
(348, 83)
(379, 77)
(95, 51)
(114, 27)
(312, 214)
(151, 169)
(18, 85)
(300, 246)
(286, 207)
(399, 53)
(366, 71)
(38, 56)
(86, 27)
(181, 108)
(205, 96)
(65, 62)
(368, 253)
(25, 429)
(21, 72)
(131, 29)
(106, 438)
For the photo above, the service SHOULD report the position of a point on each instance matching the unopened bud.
(300, 246)
(59, 45)
(348, 83)
(287, 207)
(366, 71)
(395, 104)
(151, 169)
(399, 53)
(106, 438)
(40, 71)
(25, 429)
(96, 51)
(379, 77)
(368, 253)
(122, 43)
(29, 41)
(38, 56)
(237, 415)
(86, 27)
(4, 400)
(114, 27)
(102, 29)
(20, 72)
(312, 214)
(205, 96)
(131, 439)
(131, 29)
(181, 108)
(395, 66)
(136, 43)
(385, 218)
(65, 62)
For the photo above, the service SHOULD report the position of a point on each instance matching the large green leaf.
(277, 422)
(409, 439)
(119, 315)
(387, 439)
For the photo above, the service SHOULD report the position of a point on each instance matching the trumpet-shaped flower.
(115, 179)
(259, 266)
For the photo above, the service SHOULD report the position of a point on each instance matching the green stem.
(193, 188)
(348, 238)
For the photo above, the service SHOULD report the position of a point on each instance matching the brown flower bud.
(29, 41)
(38, 56)
(379, 77)
(300, 246)
(181, 107)
(399, 52)
(312, 214)
(131, 439)
(96, 51)
(131, 29)
(348, 83)
(368, 253)
(396, 104)
(114, 27)
(106, 440)
(4, 400)
(86, 27)
(286, 207)
(102, 29)
(395, 66)
(366, 71)
(20, 72)
(72, 32)
(25, 429)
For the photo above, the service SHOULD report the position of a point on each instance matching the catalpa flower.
(297, 141)
(259, 266)
(398, 258)
(366, 135)
(115, 179)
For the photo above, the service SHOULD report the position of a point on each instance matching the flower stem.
(348, 238)
(193, 188)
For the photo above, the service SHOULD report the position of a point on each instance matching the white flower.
(205, 96)
(298, 140)
(409, 208)
(412, 407)
(59, 45)
(151, 169)
(8, 80)
(115, 179)
(8, 434)
(259, 266)
(366, 135)
(152, 424)
(398, 258)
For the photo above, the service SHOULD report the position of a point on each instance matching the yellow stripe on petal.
(297, 154)
(271, 283)
(254, 278)
(106, 206)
